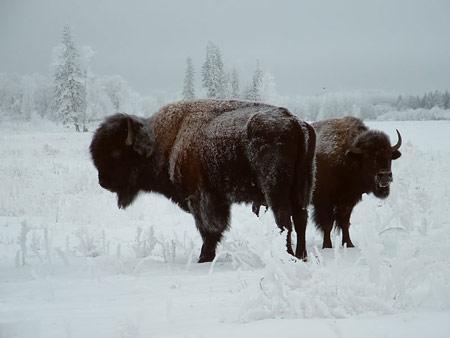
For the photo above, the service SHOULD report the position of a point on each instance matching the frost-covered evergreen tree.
(69, 82)
(99, 103)
(11, 94)
(23, 96)
(213, 74)
(446, 100)
(87, 53)
(267, 90)
(413, 102)
(227, 86)
(425, 101)
(188, 88)
(235, 84)
(254, 90)
(399, 103)
(118, 92)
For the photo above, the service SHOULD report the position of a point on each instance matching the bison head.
(119, 149)
(373, 153)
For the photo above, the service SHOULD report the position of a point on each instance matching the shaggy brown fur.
(205, 155)
(351, 160)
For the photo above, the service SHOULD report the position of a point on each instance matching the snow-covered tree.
(35, 96)
(188, 88)
(446, 100)
(99, 103)
(227, 86)
(267, 89)
(254, 90)
(93, 93)
(11, 94)
(69, 82)
(23, 96)
(413, 102)
(122, 97)
(42, 95)
(399, 104)
(118, 92)
(234, 84)
(213, 74)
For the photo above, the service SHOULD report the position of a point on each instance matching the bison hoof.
(205, 258)
(348, 244)
(302, 256)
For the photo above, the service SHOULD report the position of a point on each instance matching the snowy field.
(73, 265)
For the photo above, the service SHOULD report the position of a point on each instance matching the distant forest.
(75, 96)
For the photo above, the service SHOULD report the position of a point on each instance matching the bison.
(351, 160)
(205, 155)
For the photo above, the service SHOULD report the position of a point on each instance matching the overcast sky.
(401, 46)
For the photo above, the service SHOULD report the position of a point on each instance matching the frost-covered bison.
(351, 160)
(205, 155)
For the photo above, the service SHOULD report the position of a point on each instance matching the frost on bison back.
(205, 155)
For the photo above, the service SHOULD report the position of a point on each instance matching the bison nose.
(384, 178)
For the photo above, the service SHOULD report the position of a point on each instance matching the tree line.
(74, 95)
(427, 101)
(220, 83)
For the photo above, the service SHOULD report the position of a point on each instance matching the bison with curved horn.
(205, 155)
(351, 160)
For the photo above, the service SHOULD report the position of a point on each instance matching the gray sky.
(401, 46)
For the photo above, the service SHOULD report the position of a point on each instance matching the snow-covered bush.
(401, 264)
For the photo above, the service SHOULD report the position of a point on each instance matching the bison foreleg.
(343, 222)
(208, 252)
(323, 216)
(346, 237)
(327, 244)
(211, 214)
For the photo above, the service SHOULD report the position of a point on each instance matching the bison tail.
(304, 182)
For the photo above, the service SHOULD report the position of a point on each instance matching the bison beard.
(205, 155)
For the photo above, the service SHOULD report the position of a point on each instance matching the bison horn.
(130, 136)
(399, 142)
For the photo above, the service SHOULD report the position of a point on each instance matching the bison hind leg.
(343, 214)
(300, 200)
(275, 168)
(300, 218)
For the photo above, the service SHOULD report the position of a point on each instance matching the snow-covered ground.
(73, 265)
